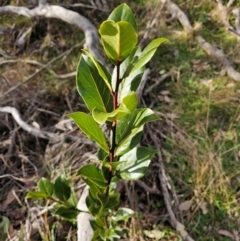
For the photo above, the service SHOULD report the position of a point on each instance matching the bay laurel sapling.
(111, 100)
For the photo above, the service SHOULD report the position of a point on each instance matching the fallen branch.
(148, 189)
(69, 16)
(40, 133)
(211, 50)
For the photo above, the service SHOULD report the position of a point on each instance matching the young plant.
(112, 100)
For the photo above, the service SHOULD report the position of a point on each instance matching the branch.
(69, 16)
(211, 50)
(146, 188)
(40, 133)
(220, 56)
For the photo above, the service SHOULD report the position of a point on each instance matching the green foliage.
(87, 124)
(112, 100)
(118, 38)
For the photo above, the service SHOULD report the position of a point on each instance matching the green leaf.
(119, 39)
(87, 124)
(130, 82)
(111, 165)
(127, 65)
(134, 164)
(103, 72)
(100, 222)
(45, 186)
(148, 53)
(62, 189)
(94, 90)
(130, 127)
(123, 214)
(130, 142)
(109, 234)
(69, 214)
(72, 201)
(93, 204)
(37, 195)
(128, 104)
(123, 13)
(93, 188)
(101, 155)
(112, 202)
(92, 173)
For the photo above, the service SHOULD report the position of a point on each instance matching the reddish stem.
(114, 124)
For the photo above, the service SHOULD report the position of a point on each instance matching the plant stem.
(114, 124)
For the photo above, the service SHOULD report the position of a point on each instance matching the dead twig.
(40, 133)
(147, 188)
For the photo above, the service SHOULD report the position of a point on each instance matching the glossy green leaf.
(36, 195)
(92, 173)
(45, 186)
(112, 202)
(72, 201)
(123, 214)
(119, 39)
(112, 165)
(69, 214)
(93, 204)
(130, 127)
(123, 13)
(130, 142)
(134, 164)
(103, 72)
(103, 198)
(148, 53)
(128, 104)
(96, 234)
(125, 67)
(92, 87)
(99, 222)
(93, 188)
(101, 154)
(109, 234)
(130, 83)
(87, 124)
(62, 189)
